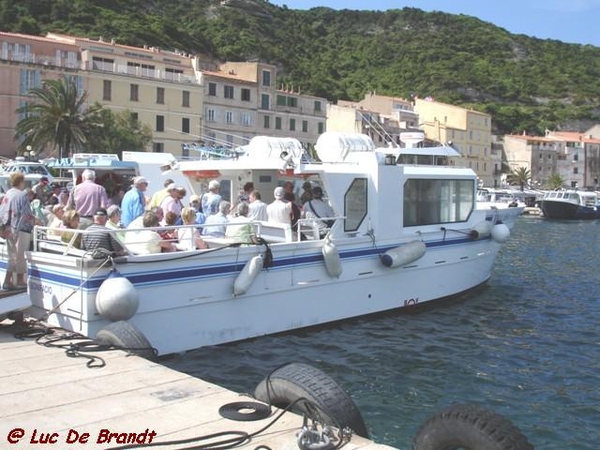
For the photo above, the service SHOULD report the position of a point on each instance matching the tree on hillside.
(55, 117)
(519, 177)
(118, 132)
(555, 181)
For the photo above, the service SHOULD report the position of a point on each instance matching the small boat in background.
(570, 204)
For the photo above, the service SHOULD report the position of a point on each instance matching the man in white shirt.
(279, 211)
(258, 208)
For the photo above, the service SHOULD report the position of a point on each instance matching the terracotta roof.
(530, 138)
(571, 135)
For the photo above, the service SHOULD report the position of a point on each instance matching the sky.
(574, 21)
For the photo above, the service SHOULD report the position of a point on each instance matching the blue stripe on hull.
(222, 270)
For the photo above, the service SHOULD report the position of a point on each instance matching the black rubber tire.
(297, 380)
(469, 427)
(123, 335)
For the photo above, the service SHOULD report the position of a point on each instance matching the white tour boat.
(403, 235)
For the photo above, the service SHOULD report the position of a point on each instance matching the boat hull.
(554, 209)
(185, 306)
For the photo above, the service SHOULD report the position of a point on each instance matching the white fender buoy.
(248, 274)
(403, 255)
(117, 299)
(500, 233)
(482, 229)
(333, 262)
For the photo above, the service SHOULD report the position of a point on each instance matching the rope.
(242, 437)
(56, 337)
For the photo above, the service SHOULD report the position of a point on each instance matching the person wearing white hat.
(279, 211)
(211, 199)
(134, 202)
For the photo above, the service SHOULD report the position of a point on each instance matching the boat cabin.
(112, 173)
(369, 189)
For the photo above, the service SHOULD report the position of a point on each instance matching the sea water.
(526, 345)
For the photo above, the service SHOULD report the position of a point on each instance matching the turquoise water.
(527, 345)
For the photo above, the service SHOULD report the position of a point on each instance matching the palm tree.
(55, 117)
(555, 181)
(519, 177)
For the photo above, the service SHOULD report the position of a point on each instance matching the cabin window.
(428, 202)
(355, 204)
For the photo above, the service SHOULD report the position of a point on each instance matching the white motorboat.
(403, 235)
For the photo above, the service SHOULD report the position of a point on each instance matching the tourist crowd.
(158, 223)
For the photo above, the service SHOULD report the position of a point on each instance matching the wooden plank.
(47, 392)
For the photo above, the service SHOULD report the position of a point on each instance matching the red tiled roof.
(530, 138)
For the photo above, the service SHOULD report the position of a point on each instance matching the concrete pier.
(49, 400)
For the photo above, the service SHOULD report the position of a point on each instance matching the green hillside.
(526, 83)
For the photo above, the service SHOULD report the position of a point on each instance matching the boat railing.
(65, 241)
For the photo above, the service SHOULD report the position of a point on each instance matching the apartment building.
(468, 131)
(281, 112)
(230, 109)
(579, 161)
(572, 155)
(381, 117)
(350, 118)
(158, 87)
(540, 155)
(182, 98)
(397, 109)
(24, 62)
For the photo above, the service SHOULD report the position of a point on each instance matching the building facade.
(281, 112)
(381, 117)
(230, 109)
(572, 155)
(159, 88)
(24, 62)
(468, 131)
(540, 155)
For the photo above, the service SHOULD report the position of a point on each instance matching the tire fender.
(293, 381)
(471, 427)
(124, 335)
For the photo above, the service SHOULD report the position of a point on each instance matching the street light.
(27, 152)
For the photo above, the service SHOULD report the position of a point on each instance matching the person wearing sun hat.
(133, 204)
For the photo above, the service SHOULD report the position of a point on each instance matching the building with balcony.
(468, 131)
(182, 98)
(160, 88)
(230, 109)
(398, 109)
(24, 62)
(279, 112)
(382, 118)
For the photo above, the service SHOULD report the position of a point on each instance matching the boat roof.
(93, 162)
(428, 151)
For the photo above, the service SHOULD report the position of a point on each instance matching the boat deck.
(46, 395)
